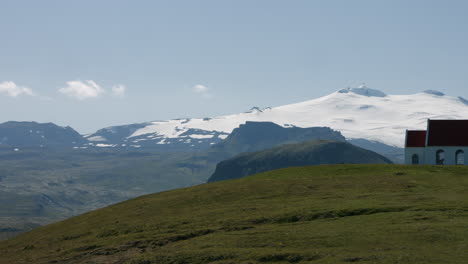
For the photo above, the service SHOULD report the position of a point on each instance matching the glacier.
(359, 112)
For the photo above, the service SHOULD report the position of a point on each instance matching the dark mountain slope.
(293, 155)
(255, 136)
(36, 135)
(316, 214)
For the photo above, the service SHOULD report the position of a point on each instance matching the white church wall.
(450, 155)
(409, 152)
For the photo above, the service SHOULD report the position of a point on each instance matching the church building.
(445, 142)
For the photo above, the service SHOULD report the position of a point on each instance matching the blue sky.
(91, 64)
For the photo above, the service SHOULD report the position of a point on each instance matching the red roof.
(416, 138)
(447, 133)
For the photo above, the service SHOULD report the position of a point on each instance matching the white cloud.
(13, 90)
(82, 90)
(118, 90)
(202, 90)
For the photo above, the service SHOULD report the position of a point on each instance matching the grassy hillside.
(317, 214)
(308, 153)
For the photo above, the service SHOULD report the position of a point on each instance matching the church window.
(460, 157)
(440, 157)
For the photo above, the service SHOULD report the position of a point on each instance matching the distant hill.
(38, 136)
(293, 155)
(255, 136)
(316, 214)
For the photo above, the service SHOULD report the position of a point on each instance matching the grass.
(316, 214)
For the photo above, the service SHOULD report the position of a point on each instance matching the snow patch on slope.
(96, 138)
(201, 136)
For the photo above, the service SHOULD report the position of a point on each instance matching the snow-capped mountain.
(359, 112)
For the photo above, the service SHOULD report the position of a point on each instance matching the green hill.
(294, 155)
(316, 214)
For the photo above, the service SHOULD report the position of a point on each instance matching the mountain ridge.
(360, 112)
